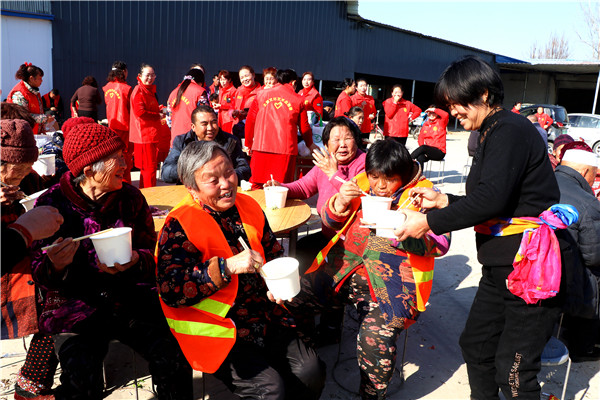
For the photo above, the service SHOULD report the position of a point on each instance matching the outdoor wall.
(25, 40)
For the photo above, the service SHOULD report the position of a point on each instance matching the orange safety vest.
(422, 266)
(203, 331)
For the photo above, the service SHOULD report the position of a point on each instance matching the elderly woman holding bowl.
(210, 251)
(511, 177)
(92, 302)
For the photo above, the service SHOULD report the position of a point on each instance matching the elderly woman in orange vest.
(188, 95)
(388, 281)
(27, 94)
(212, 295)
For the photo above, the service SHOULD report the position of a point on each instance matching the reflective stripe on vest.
(203, 331)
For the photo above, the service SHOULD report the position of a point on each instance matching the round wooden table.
(284, 222)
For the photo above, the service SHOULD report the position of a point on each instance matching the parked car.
(587, 128)
(558, 114)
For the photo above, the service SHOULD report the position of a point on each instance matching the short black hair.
(202, 109)
(284, 76)
(341, 121)
(465, 81)
(389, 158)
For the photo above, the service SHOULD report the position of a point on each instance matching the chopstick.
(80, 238)
(339, 179)
(245, 246)
(409, 200)
(24, 195)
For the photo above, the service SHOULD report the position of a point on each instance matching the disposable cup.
(275, 197)
(45, 165)
(387, 221)
(114, 246)
(373, 205)
(29, 203)
(282, 277)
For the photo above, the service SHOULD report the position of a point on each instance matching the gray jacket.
(574, 190)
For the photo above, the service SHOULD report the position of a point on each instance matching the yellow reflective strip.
(200, 329)
(213, 307)
(422, 276)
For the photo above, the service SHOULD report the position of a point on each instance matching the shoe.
(591, 355)
(22, 394)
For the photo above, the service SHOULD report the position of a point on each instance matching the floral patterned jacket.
(384, 261)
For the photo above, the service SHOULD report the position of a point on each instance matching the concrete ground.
(433, 366)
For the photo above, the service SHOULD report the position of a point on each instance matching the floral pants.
(376, 342)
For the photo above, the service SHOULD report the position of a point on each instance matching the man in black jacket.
(205, 127)
(574, 175)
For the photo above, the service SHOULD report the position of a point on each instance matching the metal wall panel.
(171, 35)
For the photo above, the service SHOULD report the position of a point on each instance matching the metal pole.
(525, 87)
(412, 98)
(596, 94)
(321, 86)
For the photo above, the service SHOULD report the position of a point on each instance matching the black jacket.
(229, 142)
(582, 282)
(511, 176)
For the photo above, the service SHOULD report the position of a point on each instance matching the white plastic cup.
(373, 205)
(275, 197)
(29, 203)
(387, 221)
(114, 246)
(45, 165)
(282, 277)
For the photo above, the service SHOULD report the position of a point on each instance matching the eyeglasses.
(149, 76)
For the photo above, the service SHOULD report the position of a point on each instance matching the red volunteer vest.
(312, 100)
(367, 103)
(203, 331)
(116, 97)
(181, 116)
(226, 97)
(34, 102)
(277, 120)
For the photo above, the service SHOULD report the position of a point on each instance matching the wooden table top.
(295, 213)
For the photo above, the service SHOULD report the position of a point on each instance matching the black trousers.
(425, 153)
(285, 368)
(503, 339)
(81, 354)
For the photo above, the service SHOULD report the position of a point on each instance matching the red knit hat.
(87, 143)
(71, 122)
(18, 143)
(576, 145)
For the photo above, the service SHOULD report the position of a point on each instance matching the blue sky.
(508, 27)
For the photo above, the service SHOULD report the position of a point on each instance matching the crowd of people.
(192, 297)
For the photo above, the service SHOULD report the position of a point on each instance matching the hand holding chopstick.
(339, 179)
(256, 264)
(80, 238)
